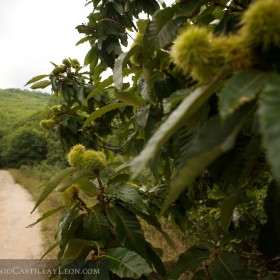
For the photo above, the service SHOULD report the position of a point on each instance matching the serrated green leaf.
(120, 63)
(178, 117)
(91, 57)
(269, 113)
(118, 178)
(76, 246)
(127, 194)
(53, 183)
(36, 79)
(66, 232)
(88, 187)
(161, 30)
(74, 249)
(189, 260)
(153, 221)
(98, 113)
(164, 26)
(96, 227)
(46, 215)
(41, 84)
(125, 263)
(73, 178)
(101, 86)
(128, 229)
(239, 89)
(83, 40)
(205, 148)
(130, 98)
(227, 266)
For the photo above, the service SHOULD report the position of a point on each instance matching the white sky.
(35, 32)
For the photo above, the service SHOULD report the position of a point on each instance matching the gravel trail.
(17, 241)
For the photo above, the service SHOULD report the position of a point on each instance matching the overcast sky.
(35, 32)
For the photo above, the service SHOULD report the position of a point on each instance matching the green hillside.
(18, 105)
(22, 141)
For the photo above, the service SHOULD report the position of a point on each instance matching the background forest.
(22, 139)
(179, 127)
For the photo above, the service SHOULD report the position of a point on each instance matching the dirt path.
(17, 241)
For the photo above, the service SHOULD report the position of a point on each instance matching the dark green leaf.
(165, 24)
(127, 194)
(73, 178)
(189, 260)
(119, 178)
(153, 221)
(205, 148)
(172, 101)
(228, 267)
(239, 89)
(101, 86)
(100, 112)
(125, 263)
(66, 233)
(91, 57)
(96, 227)
(155, 260)
(178, 117)
(76, 247)
(128, 229)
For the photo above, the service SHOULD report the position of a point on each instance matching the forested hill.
(22, 140)
(18, 105)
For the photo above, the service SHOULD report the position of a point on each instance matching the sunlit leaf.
(36, 79)
(120, 63)
(41, 84)
(53, 183)
(98, 113)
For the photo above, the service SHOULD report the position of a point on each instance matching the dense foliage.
(189, 123)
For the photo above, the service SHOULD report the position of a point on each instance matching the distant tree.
(24, 146)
